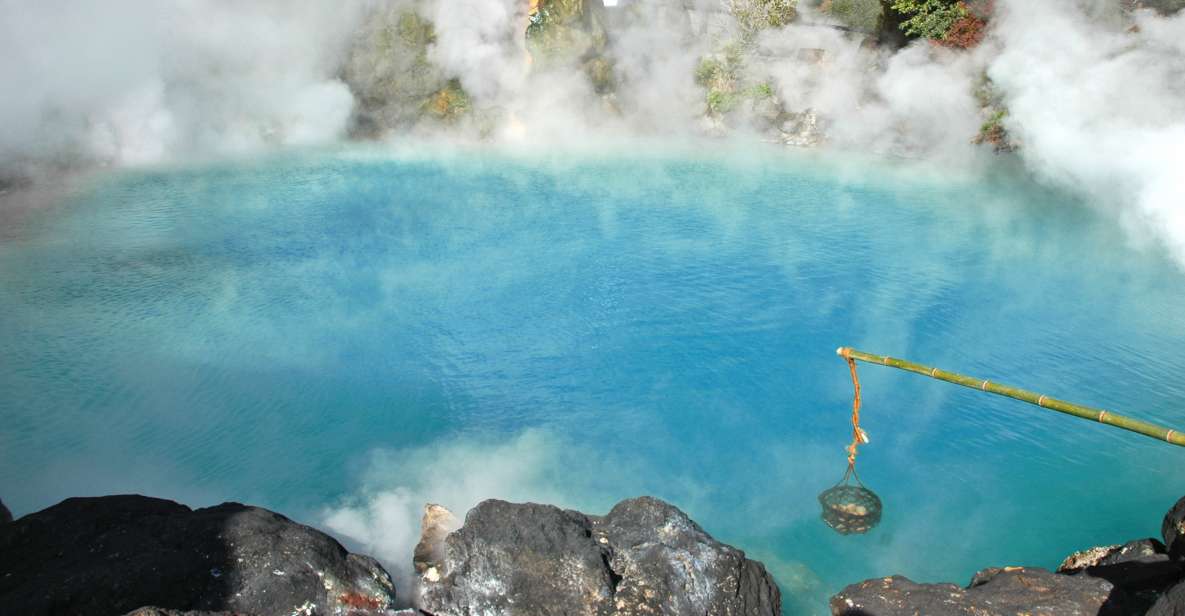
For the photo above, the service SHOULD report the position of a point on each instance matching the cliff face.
(394, 82)
(570, 34)
(782, 70)
(398, 86)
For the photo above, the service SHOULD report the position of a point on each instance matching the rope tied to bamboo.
(859, 436)
(850, 508)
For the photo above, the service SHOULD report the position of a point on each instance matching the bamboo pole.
(1176, 437)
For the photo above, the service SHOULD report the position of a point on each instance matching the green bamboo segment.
(1176, 437)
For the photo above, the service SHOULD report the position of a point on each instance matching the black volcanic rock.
(644, 557)
(1001, 592)
(1173, 529)
(156, 611)
(1141, 569)
(5, 514)
(521, 559)
(114, 554)
(667, 564)
(1171, 603)
(1138, 577)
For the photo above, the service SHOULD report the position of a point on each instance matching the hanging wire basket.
(850, 509)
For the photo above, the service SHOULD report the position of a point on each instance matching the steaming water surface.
(344, 335)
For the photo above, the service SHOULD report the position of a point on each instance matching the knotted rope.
(858, 434)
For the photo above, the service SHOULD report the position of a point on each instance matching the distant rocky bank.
(143, 556)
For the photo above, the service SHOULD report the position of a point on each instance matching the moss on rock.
(449, 103)
(389, 70)
(394, 80)
(601, 74)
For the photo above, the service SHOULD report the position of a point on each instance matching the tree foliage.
(930, 19)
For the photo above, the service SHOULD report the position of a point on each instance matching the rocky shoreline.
(143, 556)
(1142, 577)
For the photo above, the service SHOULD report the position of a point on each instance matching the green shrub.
(720, 102)
(755, 15)
(995, 121)
(707, 70)
(993, 133)
(720, 71)
(722, 76)
(760, 91)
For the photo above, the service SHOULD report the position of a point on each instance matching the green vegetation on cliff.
(722, 77)
(992, 132)
(755, 15)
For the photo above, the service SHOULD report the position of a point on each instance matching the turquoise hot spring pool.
(345, 335)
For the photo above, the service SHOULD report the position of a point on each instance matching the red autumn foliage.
(969, 31)
(964, 33)
(360, 601)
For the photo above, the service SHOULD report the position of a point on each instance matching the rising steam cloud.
(1095, 98)
(383, 516)
(136, 81)
(1099, 106)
